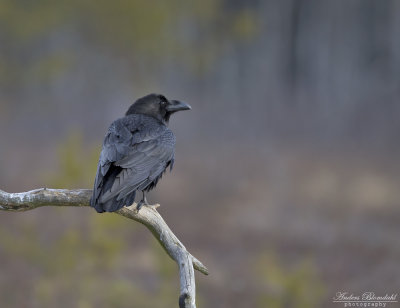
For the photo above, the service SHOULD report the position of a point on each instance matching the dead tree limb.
(147, 216)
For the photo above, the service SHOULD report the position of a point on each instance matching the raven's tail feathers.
(113, 204)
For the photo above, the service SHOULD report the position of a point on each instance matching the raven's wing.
(135, 153)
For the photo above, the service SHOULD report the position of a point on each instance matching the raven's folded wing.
(133, 158)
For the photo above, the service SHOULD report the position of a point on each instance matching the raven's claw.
(142, 202)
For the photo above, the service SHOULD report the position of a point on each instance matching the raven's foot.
(141, 203)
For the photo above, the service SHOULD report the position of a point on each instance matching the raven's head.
(157, 106)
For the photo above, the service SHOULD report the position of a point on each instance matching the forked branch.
(147, 216)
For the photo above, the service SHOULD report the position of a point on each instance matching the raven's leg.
(142, 202)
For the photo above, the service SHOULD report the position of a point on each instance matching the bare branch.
(147, 216)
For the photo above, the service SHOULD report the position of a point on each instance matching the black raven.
(137, 150)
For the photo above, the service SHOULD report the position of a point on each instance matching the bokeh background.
(286, 183)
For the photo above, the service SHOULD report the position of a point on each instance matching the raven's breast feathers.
(137, 149)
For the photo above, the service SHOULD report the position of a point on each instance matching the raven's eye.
(163, 100)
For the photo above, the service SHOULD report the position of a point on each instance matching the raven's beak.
(175, 106)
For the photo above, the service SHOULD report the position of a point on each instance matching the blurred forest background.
(286, 183)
